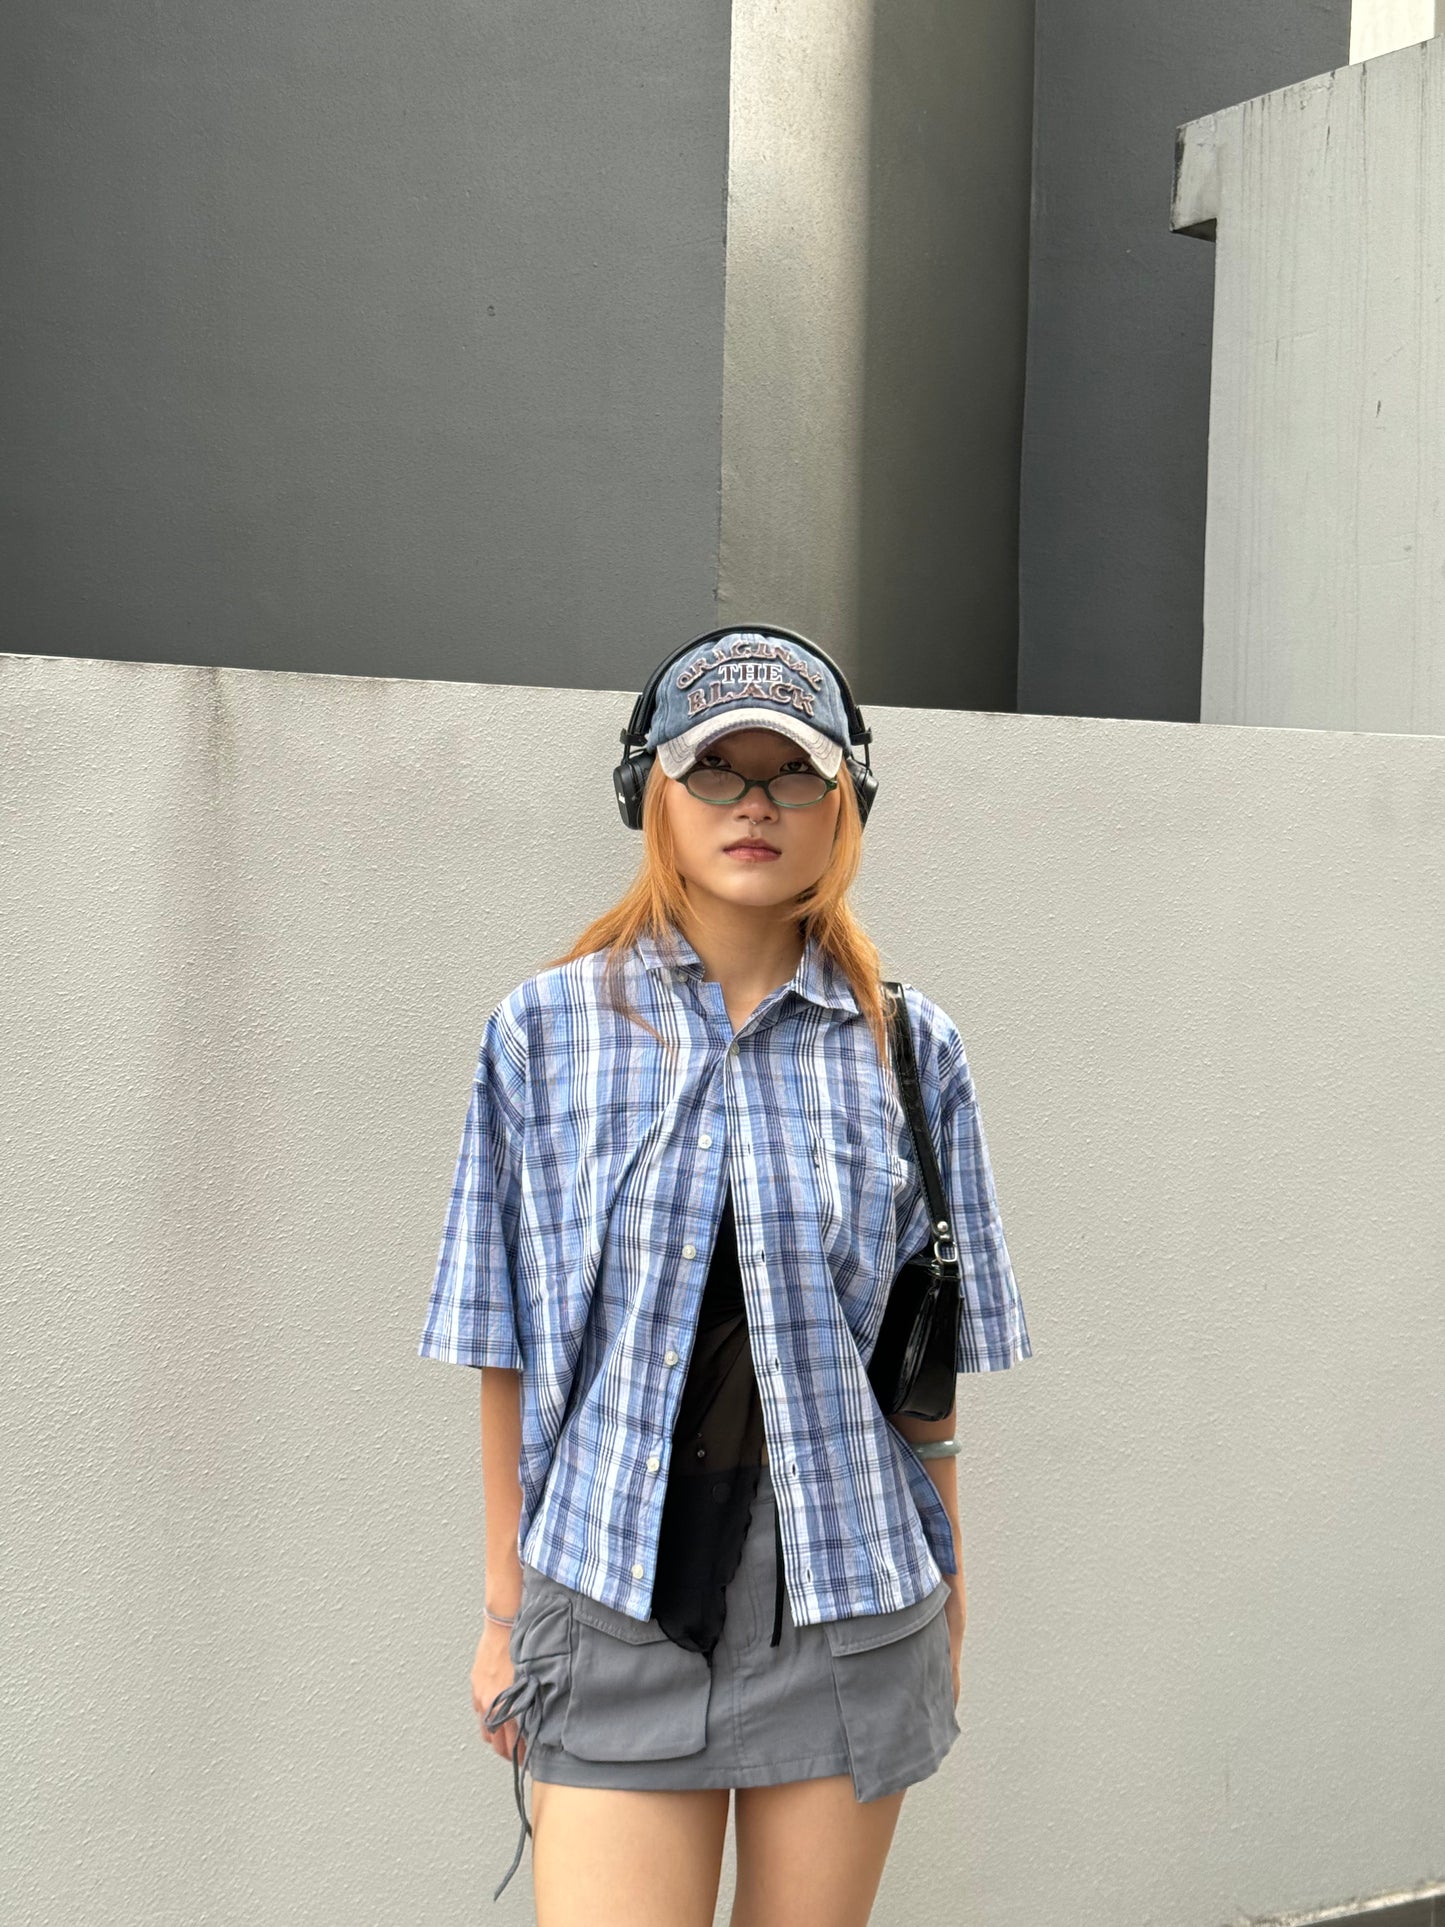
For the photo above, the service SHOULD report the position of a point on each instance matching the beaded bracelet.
(938, 1449)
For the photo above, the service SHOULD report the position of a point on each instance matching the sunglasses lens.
(799, 787)
(714, 785)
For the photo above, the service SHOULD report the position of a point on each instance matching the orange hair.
(656, 903)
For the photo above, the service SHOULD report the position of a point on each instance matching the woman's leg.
(605, 1857)
(810, 1853)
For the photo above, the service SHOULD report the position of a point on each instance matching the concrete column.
(877, 278)
(1380, 26)
(1324, 594)
(797, 282)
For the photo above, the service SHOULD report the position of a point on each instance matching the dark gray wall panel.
(947, 295)
(376, 339)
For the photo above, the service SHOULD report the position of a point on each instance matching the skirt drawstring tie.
(517, 1701)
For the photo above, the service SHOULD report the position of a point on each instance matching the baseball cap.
(748, 679)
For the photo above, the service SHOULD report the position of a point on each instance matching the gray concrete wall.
(1324, 586)
(393, 343)
(1115, 443)
(253, 922)
(378, 339)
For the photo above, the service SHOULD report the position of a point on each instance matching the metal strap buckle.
(945, 1251)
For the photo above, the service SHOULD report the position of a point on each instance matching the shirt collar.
(818, 977)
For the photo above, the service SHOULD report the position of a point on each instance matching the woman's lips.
(752, 853)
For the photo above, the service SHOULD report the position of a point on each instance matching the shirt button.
(637, 1572)
(760, 1253)
(793, 1467)
(689, 1251)
(705, 1141)
(669, 1358)
(653, 1463)
(776, 1366)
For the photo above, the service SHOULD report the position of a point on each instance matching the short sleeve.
(471, 1319)
(992, 1333)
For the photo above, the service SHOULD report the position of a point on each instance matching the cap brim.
(678, 755)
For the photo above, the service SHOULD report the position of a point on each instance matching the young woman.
(685, 1185)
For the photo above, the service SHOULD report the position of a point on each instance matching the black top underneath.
(717, 1448)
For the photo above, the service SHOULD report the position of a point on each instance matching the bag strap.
(905, 1065)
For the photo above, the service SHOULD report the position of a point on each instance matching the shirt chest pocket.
(858, 1179)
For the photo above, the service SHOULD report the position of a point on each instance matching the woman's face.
(802, 839)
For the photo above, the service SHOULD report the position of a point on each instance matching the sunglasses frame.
(759, 783)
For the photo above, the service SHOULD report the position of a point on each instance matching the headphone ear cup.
(865, 786)
(629, 780)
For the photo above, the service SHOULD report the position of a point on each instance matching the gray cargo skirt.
(602, 1700)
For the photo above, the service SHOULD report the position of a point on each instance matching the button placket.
(759, 1257)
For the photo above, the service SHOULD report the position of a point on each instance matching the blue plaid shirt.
(587, 1194)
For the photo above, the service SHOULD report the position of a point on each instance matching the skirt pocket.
(633, 1694)
(894, 1676)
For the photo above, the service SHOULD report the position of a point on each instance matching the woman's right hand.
(492, 1671)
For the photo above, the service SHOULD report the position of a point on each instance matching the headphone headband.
(629, 779)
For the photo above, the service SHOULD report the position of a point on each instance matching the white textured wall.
(1324, 592)
(253, 922)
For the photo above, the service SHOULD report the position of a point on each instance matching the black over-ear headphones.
(629, 779)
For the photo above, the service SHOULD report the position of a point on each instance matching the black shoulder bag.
(912, 1366)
